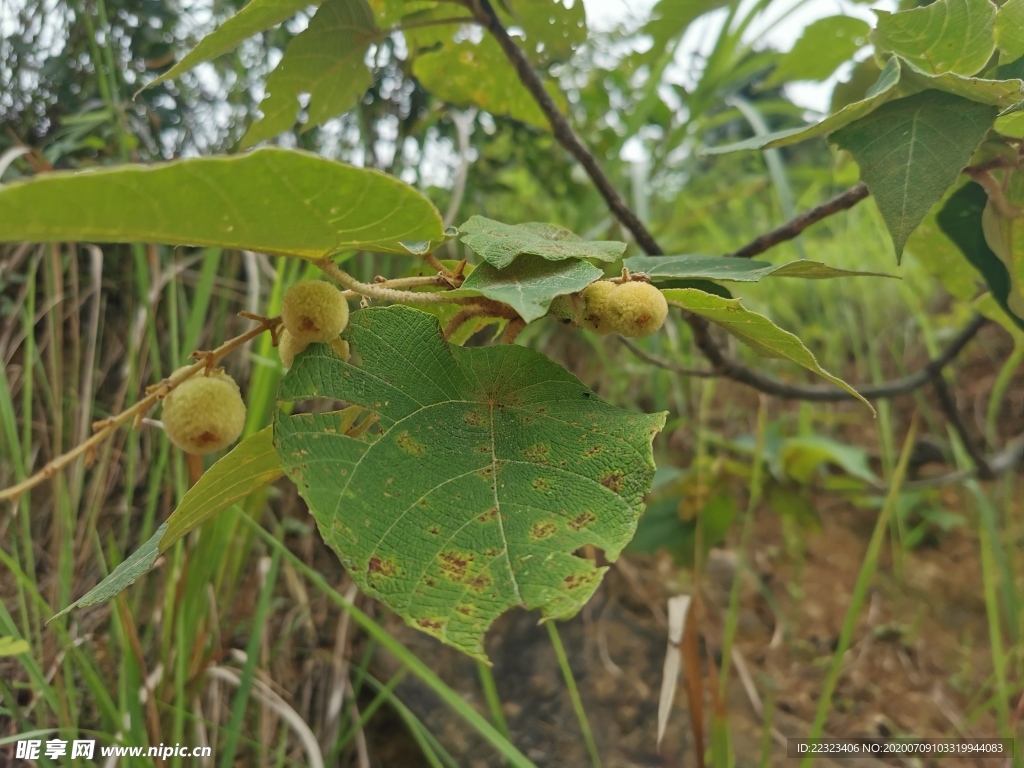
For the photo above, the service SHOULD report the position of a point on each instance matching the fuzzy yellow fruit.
(595, 315)
(288, 348)
(204, 414)
(313, 310)
(636, 309)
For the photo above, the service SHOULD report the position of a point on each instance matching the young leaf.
(272, 200)
(478, 74)
(122, 577)
(730, 269)
(823, 46)
(961, 221)
(493, 467)
(912, 150)
(499, 244)
(883, 90)
(1009, 29)
(754, 330)
(255, 17)
(250, 465)
(532, 282)
(327, 60)
(946, 36)
(11, 646)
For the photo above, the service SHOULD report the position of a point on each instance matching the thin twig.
(826, 394)
(512, 330)
(382, 292)
(105, 428)
(460, 318)
(947, 403)
(792, 228)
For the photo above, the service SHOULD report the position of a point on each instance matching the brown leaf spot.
(591, 452)
(408, 444)
(543, 530)
(434, 530)
(455, 565)
(577, 580)
(481, 582)
(541, 484)
(381, 566)
(581, 521)
(614, 481)
(538, 451)
(465, 610)
(487, 472)
(433, 626)
(489, 516)
(473, 418)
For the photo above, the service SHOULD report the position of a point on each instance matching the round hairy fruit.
(638, 309)
(288, 348)
(314, 310)
(595, 315)
(204, 413)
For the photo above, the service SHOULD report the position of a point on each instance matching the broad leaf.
(499, 244)
(800, 458)
(553, 30)
(961, 221)
(999, 93)
(912, 150)
(531, 283)
(1005, 238)
(754, 330)
(250, 465)
(824, 45)
(730, 269)
(255, 17)
(478, 74)
(883, 90)
(327, 60)
(122, 577)
(1009, 29)
(272, 200)
(390, 12)
(946, 36)
(493, 467)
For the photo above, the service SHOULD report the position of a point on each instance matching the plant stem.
(574, 694)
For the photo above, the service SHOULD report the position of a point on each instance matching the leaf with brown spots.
(461, 509)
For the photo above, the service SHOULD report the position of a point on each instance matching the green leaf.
(553, 30)
(800, 458)
(478, 74)
(327, 60)
(735, 270)
(961, 221)
(532, 282)
(883, 90)
(912, 150)
(272, 200)
(12, 646)
(250, 465)
(390, 12)
(499, 244)
(946, 36)
(1011, 125)
(823, 46)
(1009, 29)
(121, 577)
(255, 17)
(754, 330)
(671, 18)
(493, 467)
(999, 93)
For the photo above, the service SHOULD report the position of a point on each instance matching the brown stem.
(512, 330)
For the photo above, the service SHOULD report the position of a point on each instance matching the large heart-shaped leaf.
(946, 36)
(327, 60)
(494, 466)
(272, 200)
(912, 150)
(754, 330)
(729, 269)
(499, 244)
(532, 282)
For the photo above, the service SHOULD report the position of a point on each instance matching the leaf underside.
(531, 283)
(493, 467)
(272, 200)
(730, 269)
(499, 244)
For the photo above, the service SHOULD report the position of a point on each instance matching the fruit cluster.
(634, 308)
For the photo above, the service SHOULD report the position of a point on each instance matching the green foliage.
(553, 30)
(754, 330)
(727, 269)
(946, 36)
(499, 244)
(531, 283)
(250, 465)
(822, 48)
(1009, 29)
(493, 466)
(327, 61)
(12, 646)
(911, 151)
(271, 200)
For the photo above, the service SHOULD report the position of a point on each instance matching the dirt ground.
(918, 662)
